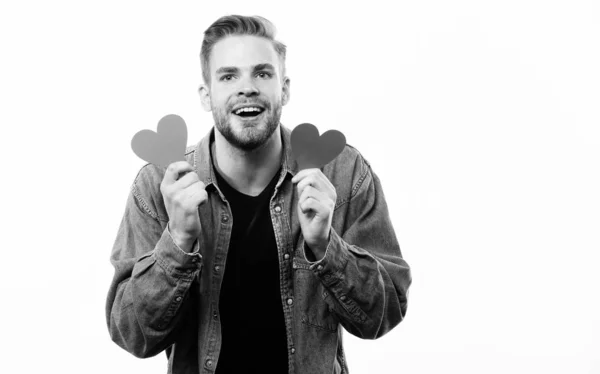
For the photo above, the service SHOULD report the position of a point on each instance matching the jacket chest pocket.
(311, 297)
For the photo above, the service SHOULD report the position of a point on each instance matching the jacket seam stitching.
(143, 203)
(307, 322)
(355, 189)
(358, 184)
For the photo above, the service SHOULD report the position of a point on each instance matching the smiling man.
(236, 261)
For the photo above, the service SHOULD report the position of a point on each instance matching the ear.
(204, 92)
(285, 94)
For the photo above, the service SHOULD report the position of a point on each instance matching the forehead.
(242, 51)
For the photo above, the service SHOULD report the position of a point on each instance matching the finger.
(326, 202)
(174, 169)
(303, 173)
(319, 182)
(312, 179)
(187, 180)
(323, 184)
(197, 193)
(306, 182)
(311, 192)
(310, 204)
(304, 194)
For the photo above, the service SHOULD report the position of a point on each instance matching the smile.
(248, 111)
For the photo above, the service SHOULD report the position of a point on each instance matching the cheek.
(221, 103)
(220, 96)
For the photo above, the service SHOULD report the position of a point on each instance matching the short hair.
(238, 25)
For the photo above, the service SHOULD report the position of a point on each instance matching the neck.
(248, 172)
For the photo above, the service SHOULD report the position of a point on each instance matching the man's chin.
(249, 135)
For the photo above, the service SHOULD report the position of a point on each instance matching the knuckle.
(177, 197)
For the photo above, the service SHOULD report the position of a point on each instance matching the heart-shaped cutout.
(313, 151)
(165, 146)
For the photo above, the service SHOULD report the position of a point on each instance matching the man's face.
(246, 91)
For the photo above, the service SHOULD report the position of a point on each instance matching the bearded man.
(236, 261)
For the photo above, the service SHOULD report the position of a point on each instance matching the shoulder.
(146, 187)
(348, 172)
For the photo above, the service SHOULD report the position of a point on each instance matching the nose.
(248, 88)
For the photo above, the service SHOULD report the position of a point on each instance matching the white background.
(480, 118)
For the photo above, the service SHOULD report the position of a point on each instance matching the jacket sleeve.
(363, 270)
(149, 291)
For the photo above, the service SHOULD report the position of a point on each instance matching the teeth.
(248, 109)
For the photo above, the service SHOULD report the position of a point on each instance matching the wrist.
(314, 253)
(185, 245)
(185, 242)
(319, 249)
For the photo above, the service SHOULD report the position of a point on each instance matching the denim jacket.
(164, 299)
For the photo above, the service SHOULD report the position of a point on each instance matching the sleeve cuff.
(196, 245)
(308, 253)
(335, 258)
(174, 259)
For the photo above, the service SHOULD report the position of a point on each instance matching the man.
(235, 261)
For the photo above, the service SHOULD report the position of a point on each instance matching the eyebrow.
(233, 69)
(264, 67)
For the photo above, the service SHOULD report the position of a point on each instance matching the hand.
(315, 208)
(182, 196)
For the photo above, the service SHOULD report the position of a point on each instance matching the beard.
(253, 133)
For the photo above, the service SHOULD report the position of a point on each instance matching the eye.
(264, 74)
(226, 77)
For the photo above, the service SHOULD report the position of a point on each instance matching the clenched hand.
(182, 196)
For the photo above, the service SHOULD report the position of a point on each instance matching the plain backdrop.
(481, 119)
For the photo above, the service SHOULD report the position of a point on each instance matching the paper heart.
(165, 146)
(313, 151)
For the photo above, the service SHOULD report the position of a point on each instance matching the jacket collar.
(203, 163)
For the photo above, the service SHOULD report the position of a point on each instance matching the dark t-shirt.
(252, 321)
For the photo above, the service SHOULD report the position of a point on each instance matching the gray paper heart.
(313, 151)
(165, 146)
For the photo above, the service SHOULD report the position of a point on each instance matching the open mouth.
(248, 112)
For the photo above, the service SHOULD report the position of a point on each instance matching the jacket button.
(293, 350)
(286, 256)
(209, 363)
(217, 268)
(215, 315)
(277, 209)
(224, 218)
(320, 267)
(342, 297)
(290, 301)
(178, 298)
